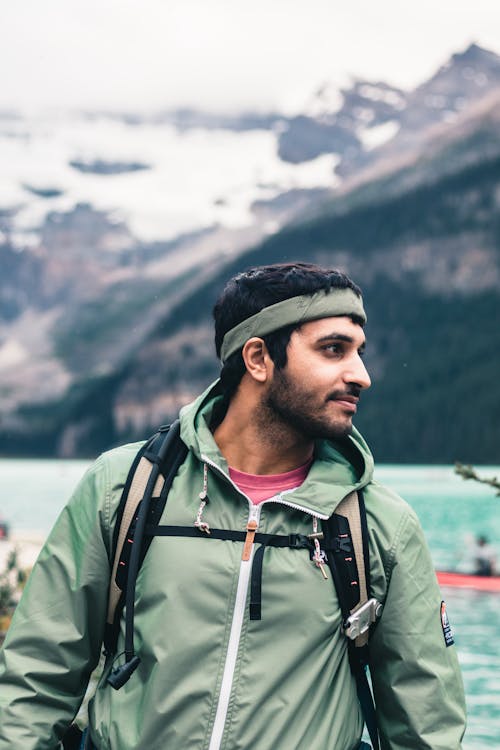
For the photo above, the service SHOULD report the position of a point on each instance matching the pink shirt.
(260, 487)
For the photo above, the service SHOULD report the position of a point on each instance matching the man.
(271, 447)
(484, 557)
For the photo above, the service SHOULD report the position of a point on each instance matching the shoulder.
(116, 462)
(99, 491)
(386, 509)
(109, 471)
(395, 533)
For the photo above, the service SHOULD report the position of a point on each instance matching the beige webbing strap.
(349, 508)
(135, 495)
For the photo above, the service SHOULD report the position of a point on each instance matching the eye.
(333, 348)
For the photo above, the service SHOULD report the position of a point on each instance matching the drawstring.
(203, 525)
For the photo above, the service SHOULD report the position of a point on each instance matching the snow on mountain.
(383, 93)
(174, 173)
(467, 77)
(372, 137)
(345, 120)
(159, 180)
(326, 101)
(121, 217)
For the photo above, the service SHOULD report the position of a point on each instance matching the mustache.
(352, 391)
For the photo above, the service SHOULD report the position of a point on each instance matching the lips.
(347, 405)
(347, 401)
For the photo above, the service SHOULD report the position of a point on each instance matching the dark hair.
(250, 291)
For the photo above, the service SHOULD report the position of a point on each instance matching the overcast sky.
(223, 54)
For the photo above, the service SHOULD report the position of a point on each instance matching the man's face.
(317, 391)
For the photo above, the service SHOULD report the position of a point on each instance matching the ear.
(257, 360)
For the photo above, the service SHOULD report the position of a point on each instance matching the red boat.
(468, 581)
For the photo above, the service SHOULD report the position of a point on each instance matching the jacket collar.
(337, 469)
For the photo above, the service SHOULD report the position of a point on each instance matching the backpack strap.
(133, 494)
(346, 547)
(350, 509)
(143, 500)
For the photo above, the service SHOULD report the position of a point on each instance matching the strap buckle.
(360, 620)
(299, 541)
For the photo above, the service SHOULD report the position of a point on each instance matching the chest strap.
(290, 541)
(294, 541)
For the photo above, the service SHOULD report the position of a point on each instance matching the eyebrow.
(339, 337)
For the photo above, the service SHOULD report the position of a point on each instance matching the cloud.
(222, 54)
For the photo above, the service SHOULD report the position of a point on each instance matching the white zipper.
(279, 499)
(234, 642)
(236, 624)
(239, 607)
(276, 499)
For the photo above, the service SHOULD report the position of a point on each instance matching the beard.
(294, 406)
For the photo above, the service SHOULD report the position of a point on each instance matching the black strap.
(292, 541)
(256, 584)
(72, 740)
(301, 542)
(341, 558)
(358, 658)
(169, 453)
(149, 450)
(138, 552)
(342, 563)
(364, 537)
(169, 466)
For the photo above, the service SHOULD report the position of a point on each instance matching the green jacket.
(209, 676)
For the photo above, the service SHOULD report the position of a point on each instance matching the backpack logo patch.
(445, 624)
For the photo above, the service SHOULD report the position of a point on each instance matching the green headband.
(298, 310)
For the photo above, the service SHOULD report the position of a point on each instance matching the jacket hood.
(339, 467)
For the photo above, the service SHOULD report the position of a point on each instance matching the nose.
(357, 373)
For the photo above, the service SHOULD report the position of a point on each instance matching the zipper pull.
(249, 539)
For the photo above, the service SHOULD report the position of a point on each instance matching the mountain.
(105, 327)
(428, 262)
(365, 115)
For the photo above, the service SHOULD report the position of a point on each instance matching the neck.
(256, 442)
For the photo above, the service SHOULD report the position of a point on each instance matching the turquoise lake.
(451, 511)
